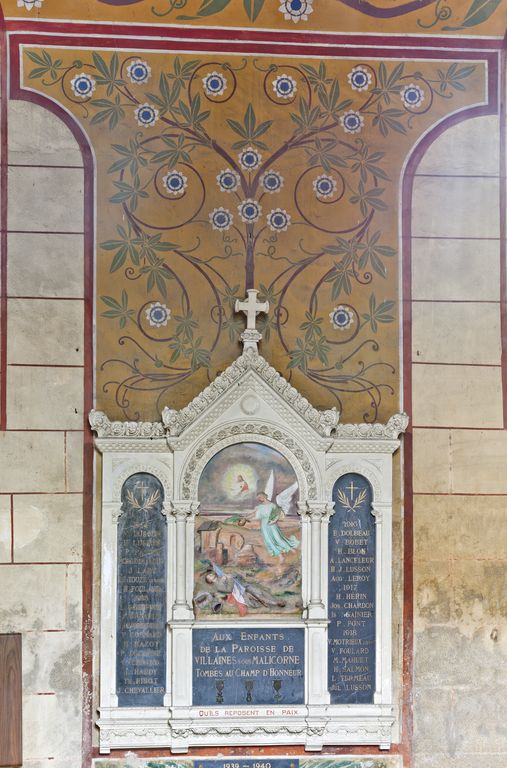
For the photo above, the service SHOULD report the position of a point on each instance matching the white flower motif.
(146, 115)
(412, 96)
(272, 181)
(158, 314)
(250, 159)
(341, 317)
(278, 220)
(296, 10)
(29, 4)
(359, 79)
(324, 186)
(214, 84)
(175, 182)
(139, 72)
(284, 86)
(83, 85)
(351, 121)
(249, 211)
(228, 180)
(221, 219)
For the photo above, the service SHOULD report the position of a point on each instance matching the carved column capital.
(166, 509)
(113, 509)
(377, 510)
(183, 509)
(319, 510)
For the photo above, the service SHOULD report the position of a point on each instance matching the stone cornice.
(396, 425)
(105, 428)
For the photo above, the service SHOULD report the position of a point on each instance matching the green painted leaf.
(250, 120)
(119, 260)
(378, 266)
(37, 72)
(237, 127)
(36, 58)
(101, 65)
(208, 8)
(479, 11)
(253, 8)
(111, 302)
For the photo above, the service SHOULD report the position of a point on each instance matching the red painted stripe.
(454, 301)
(373, 50)
(3, 221)
(42, 562)
(44, 431)
(466, 365)
(503, 226)
(88, 454)
(43, 231)
(241, 36)
(457, 494)
(48, 493)
(43, 365)
(12, 528)
(460, 428)
(43, 165)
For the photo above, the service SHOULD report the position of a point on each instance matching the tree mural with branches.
(282, 184)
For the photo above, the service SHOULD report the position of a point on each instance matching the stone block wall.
(460, 454)
(41, 456)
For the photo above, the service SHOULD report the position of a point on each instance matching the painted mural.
(247, 556)
(480, 17)
(219, 173)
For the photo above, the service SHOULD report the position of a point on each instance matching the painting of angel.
(270, 513)
(248, 535)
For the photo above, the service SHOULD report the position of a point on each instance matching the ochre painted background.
(478, 17)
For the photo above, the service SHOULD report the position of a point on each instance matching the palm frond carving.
(147, 504)
(350, 504)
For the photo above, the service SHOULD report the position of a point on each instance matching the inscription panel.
(248, 667)
(263, 761)
(141, 596)
(351, 593)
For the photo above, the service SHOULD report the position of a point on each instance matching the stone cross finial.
(251, 307)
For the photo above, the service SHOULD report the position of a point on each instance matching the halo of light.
(230, 482)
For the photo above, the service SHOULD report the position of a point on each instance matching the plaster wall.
(460, 514)
(41, 458)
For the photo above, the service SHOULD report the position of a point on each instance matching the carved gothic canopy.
(246, 569)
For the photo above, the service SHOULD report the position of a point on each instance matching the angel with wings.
(269, 513)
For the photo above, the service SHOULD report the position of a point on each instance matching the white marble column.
(382, 511)
(317, 693)
(183, 513)
(170, 594)
(318, 512)
(111, 511)
(180, 626)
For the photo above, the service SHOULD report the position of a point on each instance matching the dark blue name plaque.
(141, 594)
(248, 666)
(351, 593)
